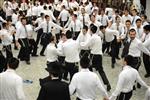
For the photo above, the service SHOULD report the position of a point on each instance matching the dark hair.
(128, 21)
(93, 28)
(42, 14)
(4, 25)
(116, 17)
(13, 63)
(63, 6)
(68, 34)
(24, 18)
(132, 30)
(46, 16)
(135, 10)
(128, 60)
(45, 7)
(138, 20)
(50, 7)
(84, 62)
(75, 15)
(85, 27)
(52, 38)
(102, 27)
(146, 27)
(145, 17)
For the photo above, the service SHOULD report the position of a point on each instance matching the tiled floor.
(37, 70)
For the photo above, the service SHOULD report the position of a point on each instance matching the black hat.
(54, 68)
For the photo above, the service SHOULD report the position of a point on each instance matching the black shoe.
(134, 88)
(138, 85)
(118, 58)
(108, 87)
(42, 54)
(28, 62)
(147, 75)
(35, 55)
(113, 65)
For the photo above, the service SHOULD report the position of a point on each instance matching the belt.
(81, 99)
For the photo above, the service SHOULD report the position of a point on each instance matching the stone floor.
(37, 70)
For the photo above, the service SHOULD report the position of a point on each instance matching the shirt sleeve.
(19, 89)
(57, 26)
(17, 33)
(101, 87)
(119, 87)
(143, 48)
(72, 86)
(139, 80)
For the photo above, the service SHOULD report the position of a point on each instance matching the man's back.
(54, 90)
(86, 83)
(10, 86)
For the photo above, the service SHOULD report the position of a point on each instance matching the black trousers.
(106, 46)
(72, 68)
(97, 64)
(3, 63)
(113, 51)
(146, 61)
(124, 96)
(24, 53)
(84, 53)
(75, 35)
(118, 46)
(63, 23)
(45, 39)
(39, 33)
(9, 53)
(136, 62)
(33, 47)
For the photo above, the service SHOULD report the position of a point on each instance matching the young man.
(11, 83)
(85, 89)
(126, 81)
(54, 89)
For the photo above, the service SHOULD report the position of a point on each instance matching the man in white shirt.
(144, 20)
(85, 89)
(126, 81)
(146, 58)
(83, 37)
(139, 29)
(52, 52)
(126, 17)
(21, 37)
(104, 18)
(75, 26)
(6, 38)
(95, 45)
(134, 17)
(47, 29)
(63, 16)
(70, 50)
(11, 84)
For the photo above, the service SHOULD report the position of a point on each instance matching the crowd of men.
(74, 34)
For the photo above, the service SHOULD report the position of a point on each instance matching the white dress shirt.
(86, 18)
(119, 28)
(85, 89)
(147, 43)
(44, 24)
(7, 37)
(21, 32)
(139, 32)
(94, 43)
(64, 15)
(11, 86)
(147, 95)
(125, 18)
(83, 38)
(39, 20)
(109, 34)
(104, 20)
(24, 6)
(134, 18)
(136, 47)
(70, 50)
(126, 81)
(14, 18)
(52, 52)
(77, 26)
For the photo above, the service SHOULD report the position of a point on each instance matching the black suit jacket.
(44, 80)
(54, 90)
